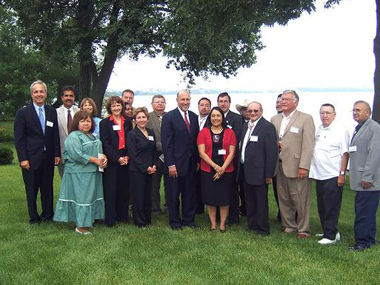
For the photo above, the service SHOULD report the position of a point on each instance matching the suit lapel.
(36, 119)
(360, 132)
(291, 122)
(63, 119)
(182, 120)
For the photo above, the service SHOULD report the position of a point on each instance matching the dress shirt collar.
(290, 115)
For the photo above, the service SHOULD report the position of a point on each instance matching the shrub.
(5, 136)
(6, 155)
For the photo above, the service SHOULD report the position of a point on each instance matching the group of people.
(218, 158)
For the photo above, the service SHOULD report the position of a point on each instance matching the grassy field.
(54, 254)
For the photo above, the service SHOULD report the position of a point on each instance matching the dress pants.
(256, 201)
(141, 187)
(116, 197)
(294, 198)
(242, 208)
(274, 185)
(42, 179)
(156, 185)
(200, 205)
(329, 200)
(183, 186)
(366, 203)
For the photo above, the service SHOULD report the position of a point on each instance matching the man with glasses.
(258, 158)
(328, 168)
(155, 120)
(365, 175)
(295, 131)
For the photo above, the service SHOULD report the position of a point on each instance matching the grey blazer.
(365, 157)
(154, 125)
(62, 127)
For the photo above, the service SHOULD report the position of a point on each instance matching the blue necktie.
(42, 119)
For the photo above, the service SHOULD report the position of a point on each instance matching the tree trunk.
(376, 48)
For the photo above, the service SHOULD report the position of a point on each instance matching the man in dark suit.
(258, 158)
(179, 133)
(235, 123)
(155, 122)
(38, 150)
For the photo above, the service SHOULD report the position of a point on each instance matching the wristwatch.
(342, 173)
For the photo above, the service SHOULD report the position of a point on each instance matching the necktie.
(187, 122)
(160, 120)
(41, 118)
(69, 120)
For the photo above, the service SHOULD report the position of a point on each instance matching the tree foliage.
(198, 37)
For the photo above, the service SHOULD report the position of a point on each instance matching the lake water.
(310, 103)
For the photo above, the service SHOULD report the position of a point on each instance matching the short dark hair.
(129, 91)
(279, 95)
(158, 97)
(218, 109)
(79, 116)
(92, 103)
(204, 98)
(114, 99)
(68, 88)
(224, 94)
(329, 105)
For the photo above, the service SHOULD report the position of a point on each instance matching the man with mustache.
(65, 115)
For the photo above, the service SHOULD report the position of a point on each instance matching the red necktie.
(69, 120)
(187, 122)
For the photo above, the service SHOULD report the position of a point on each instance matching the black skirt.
(216, 193)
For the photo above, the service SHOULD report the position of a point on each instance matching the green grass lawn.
(54, 254)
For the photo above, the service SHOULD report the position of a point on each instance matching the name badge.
(254, 139)
(352, 148)
(116, 127)
(294, 130)
(49, 124)
(151, 138)
(222, 152)
(228, 126)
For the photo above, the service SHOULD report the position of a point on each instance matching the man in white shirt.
(65, 116)
(328, 168)
(204, 107)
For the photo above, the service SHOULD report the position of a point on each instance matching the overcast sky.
(330, 48)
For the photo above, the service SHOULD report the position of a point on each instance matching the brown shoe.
(302, 236)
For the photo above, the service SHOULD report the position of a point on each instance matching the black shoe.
(358, 247)
(223, 231)
(177, 228)
(193, 227)
(34, 221)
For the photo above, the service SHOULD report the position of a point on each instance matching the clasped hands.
(219, 171)
(151, 169)
(123, 160)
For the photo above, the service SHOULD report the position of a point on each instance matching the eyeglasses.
(159, 102)
(287, 100)
(253, 111)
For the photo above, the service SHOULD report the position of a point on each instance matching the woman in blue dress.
(89, 105)
(81, 194)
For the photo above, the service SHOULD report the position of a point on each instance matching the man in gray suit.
(65, 116)
(295, 131)
(155, 119)
(365, 175)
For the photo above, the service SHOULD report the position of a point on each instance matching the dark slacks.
(329, 200)
(156, 185)
(243, 210)
(256, 201)
(274, 185)
(200, 206)
(234, 210)
(40, 179)
(366, 203)
(141, 186)
(116, 193)
(183, 186)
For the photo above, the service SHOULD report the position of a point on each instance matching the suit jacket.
(179, 146)
(110, 138)
(30, 140)
(154, 124)
(261, 152)
(141, 150)
(365, 157)
(234, 122)
(62, 126)
(297, 142)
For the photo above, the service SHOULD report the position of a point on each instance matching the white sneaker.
(326, 241)
(319, 235)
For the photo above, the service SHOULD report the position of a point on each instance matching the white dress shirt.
(251, 127)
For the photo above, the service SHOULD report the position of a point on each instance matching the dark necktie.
(69, 120)
(187, 122)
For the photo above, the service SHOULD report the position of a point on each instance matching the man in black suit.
(258, 157)
(179, 133)
(235, 123)
(38, 150)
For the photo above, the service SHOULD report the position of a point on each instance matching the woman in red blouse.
(113, 133)
(216, 146)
